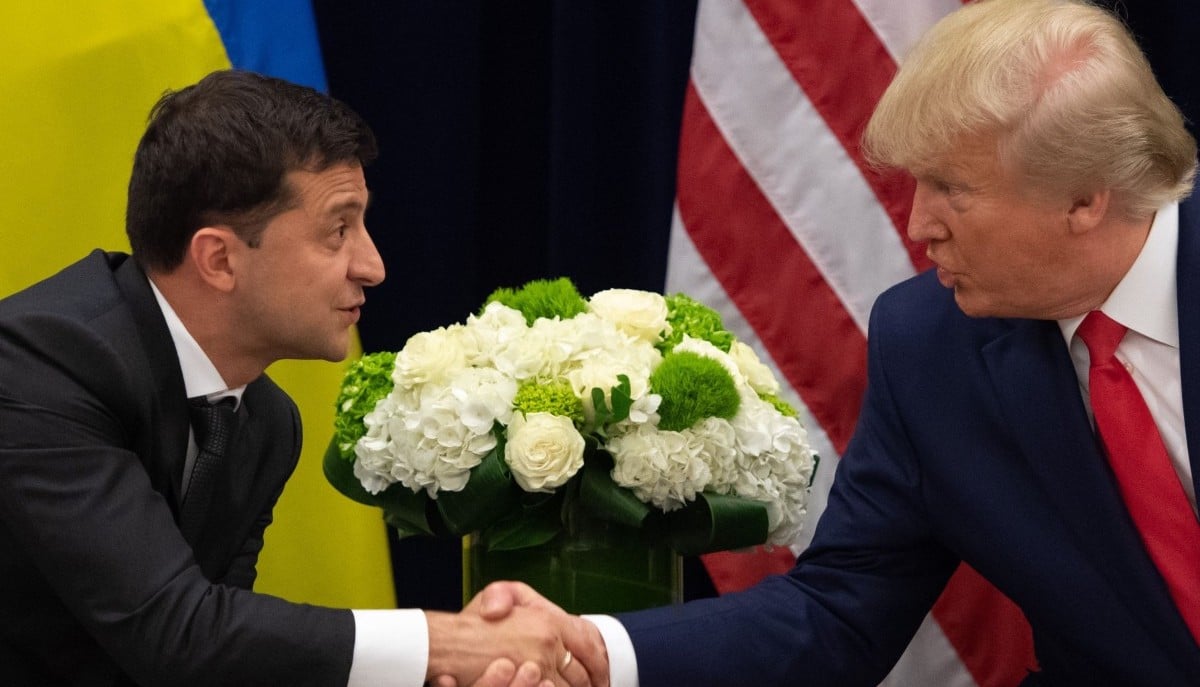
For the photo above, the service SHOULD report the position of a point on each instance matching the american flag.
(781, 225)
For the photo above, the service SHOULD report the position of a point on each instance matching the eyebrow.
(345, 205)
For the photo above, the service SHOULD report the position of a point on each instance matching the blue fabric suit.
(973, 444)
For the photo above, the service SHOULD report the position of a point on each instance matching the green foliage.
(368, 380)
(785, 409)
(692, 388)
(690, 317)
(542, 298)
(622, 401)
(555, 397)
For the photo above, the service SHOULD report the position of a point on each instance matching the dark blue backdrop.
(538, 138)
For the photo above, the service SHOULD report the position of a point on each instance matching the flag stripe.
(770, 278)
(775, 196)
(899, 24)
(841, 37)
(688, 273)
(796, 162)
(988, 630)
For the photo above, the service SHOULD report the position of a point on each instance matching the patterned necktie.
(1148, 483)
(213, 425)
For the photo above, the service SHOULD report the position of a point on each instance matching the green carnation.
(781, 405)
(542, 298)
(692, 388)
(690, 317)
(368, 380)
(556, 398)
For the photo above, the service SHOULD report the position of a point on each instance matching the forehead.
(976, 158)
(341, 185)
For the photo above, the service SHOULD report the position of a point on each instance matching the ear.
(210, 252)
(1088, 210)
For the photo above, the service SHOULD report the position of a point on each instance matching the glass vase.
(592, 566)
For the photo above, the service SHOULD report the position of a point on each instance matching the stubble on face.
(303, 285)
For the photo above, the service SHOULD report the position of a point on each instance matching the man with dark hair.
(142, 448)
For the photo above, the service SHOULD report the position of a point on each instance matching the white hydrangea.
(662, 468)
(494, 328)
(774, 465)
(430, 437)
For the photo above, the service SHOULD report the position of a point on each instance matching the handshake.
(510, 636)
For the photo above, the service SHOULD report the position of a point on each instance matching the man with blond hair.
(1000, 427)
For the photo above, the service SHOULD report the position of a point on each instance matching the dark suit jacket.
(97, 585)
(973, 444)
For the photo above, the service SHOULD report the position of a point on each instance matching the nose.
(924, 224)
(366, 267)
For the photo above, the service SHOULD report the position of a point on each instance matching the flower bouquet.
(582, 444)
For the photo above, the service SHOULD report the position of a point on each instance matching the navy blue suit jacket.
(973, 445)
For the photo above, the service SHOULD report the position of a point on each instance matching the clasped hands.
(511, 636)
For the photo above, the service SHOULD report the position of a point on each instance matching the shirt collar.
(1145, 300)
(200, 376)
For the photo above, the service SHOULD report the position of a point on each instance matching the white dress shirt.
(391, 646)
(1145, 302)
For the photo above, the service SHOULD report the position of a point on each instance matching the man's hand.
(502, 673)
(508, 623)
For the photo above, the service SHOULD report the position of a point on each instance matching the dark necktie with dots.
(213, 425)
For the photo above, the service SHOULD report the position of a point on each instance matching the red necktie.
(1148, 483)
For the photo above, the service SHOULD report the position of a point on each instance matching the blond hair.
(1060, 86)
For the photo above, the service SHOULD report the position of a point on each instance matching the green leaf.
(715, 522)
(533, 524)
(603, 414)
(408, 512)
(622, 399)
(340, 473)
(489, 494)
(603, 498)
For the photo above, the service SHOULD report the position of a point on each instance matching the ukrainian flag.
(77, 80)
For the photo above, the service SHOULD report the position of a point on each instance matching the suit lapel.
(1039, 393)
(1188, 278)
(163, 362)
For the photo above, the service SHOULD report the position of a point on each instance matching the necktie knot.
(1101, 334)
(213, 424)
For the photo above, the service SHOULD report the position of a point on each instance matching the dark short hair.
(218, 152)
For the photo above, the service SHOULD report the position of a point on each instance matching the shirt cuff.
(391, 649)
(622, 662)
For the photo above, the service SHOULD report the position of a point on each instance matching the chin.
(972, 307)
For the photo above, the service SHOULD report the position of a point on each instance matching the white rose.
(642, 314)
(430, 357)
(543, 450)
(759, 376)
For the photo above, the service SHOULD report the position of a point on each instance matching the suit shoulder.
(921, 311)
(80, 290)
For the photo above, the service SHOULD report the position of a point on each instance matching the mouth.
(352, 313)
(945, 277)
